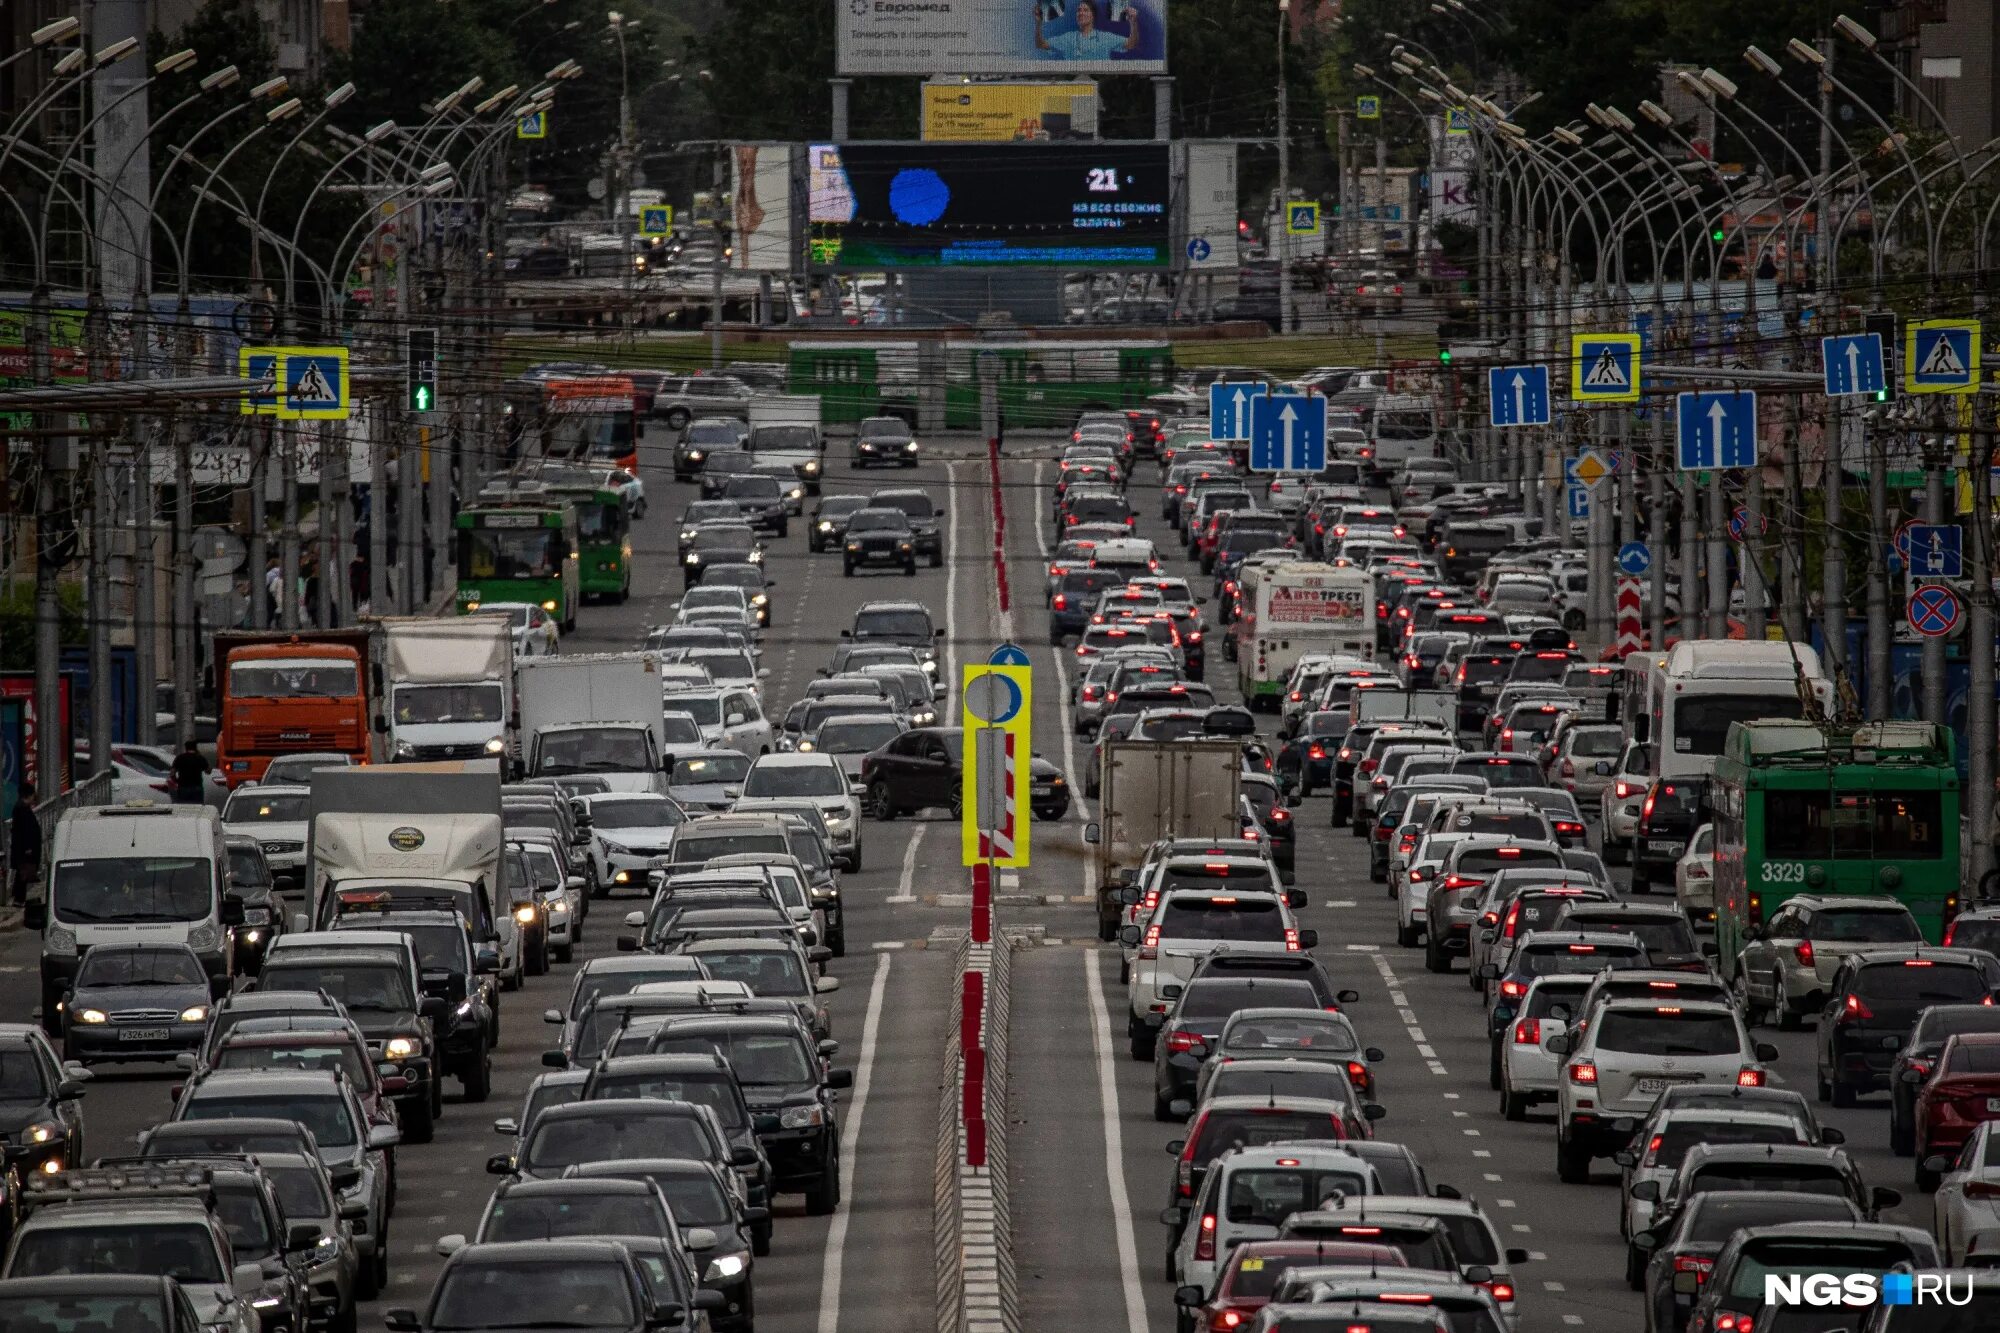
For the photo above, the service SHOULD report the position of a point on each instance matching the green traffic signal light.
(1444, 356)
(1718, 235)
(420, 398)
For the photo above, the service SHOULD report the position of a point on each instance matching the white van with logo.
(138, 873)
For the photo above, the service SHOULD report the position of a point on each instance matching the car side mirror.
(1646, 1191)
(710, 1300)
(1832, 1137)
(1190, 1297)
(507, 1125)
(395, 1084)
(1766, 1052)
(232, 910)
(1446, 1192)
(1625, 1157)
(818, 954)
(826, 985)
(1489, 971)
(434, 1008)
(35, 914)
(384, 1136)
(733, 720)
(1374, 1055)
(1308, 939)
(1128, 897)
(353, 1210)
(247, 1278)
(1129, 936)
(1709, 949)
(1913, 1077)
(1347, 997)
(1881, 1197)
(345, 1177)
(500, 1164)
(628, 944)
(1558, 1044)
(401, 1321)
(1175, 1147)
(702, 1239)
(554, 1060)
(1374, 1111)
(840, 1078)
(447, 1246)
(1295, 897)
(301, 1236)
(1645, 1240)
(756, 1216)
(1092, 832)
(487, 960)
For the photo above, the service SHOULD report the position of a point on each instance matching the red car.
(1963, 1090)
(1246, 1282)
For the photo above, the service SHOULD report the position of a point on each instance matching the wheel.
(824, 1197)
(937, 558)
(565, 953)
(1641, 881)
(1107, 928)
(910, 570)
(1141, 1041)
(1902, 1135)
(1513, 1106)
(1635, 1268)
(1927, 1181)
(344, 1320)
(1435, 958)
(367, 1285)
(1493, 1065)
(837, 941)
(815, 545)
(538, 957)
(760, 1239)
(957, 804)
(847, 569)
(1844, 1094)
(1162, 1106)
(1305, 787)
(420, 1125)
(1124, 971)
(1822, 1089)
(1613, 853)
(1753, 1012)
(1789, 1019)
(1406, 935)
(678, 417)
(478, 1082)
(854, 861)
(784, 529)
(1572, 1164)
(879, 806)
(380, 1275)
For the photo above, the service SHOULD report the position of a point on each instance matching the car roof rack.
(164, 1178)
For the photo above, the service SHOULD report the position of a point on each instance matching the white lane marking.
(1481, 1152)
(1572, 1319)
(1062, 698)
(850, 1138)
(1493, 1176)
(1364, 948)
(1408, 1016)
(1522, 1227)
(1114, 1148)
(889, 944)
(906, 882)
(1505, 1203)
(1554, 1286)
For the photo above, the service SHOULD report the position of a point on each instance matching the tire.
(1789, 1019)
(1406, 935)
(1822, 1090)
(1902, 1137)
(847, 569)
(937, 559)
(854, 861)
(1844, 1094)
(1435, 958)
(478, 1082)
(878, 801)
(1513, 1106)
(537, 963)
(1641, 881)
(824, 1197)
(1927, 1181)
(420, 1125)
(678, 417)
(1572, 1164)
(837, 941)
(956, 807)
(367, 1286)
(1613, 852)
(1140, 1041)
(760, 1239)
(1635, 1268)
(565, 953)
(344, 1320)
(1107, 929)
(1162, 1107)
(784, 529)
(1493, 1065)
(910, 570)
(1753, 1013)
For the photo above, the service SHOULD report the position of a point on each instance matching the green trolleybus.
(519, 553)
(1801, 808)
(604, 533)
(1040, 384)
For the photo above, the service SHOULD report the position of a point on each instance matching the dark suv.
(462, 979)
(1667, 820)
(925, 520)
(878, 535)
(1873, 1002)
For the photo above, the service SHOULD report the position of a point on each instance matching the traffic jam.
(1443, 976)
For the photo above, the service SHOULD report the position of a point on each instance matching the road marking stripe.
(1408, 1015)
(850, 1137)
(906, 882)
(1114, 1149)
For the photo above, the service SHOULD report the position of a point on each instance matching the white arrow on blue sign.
(1229, 409)
(1288, 433)
(1518, 395)
(1717, 429)
(1634, 558)
(1008, 655)
(1853, 364)
(1937, 550)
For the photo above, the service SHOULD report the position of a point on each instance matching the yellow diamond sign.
(1591, 467)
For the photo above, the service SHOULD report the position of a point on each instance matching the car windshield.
(1486, 860)
(1855, 927)
(133, 889)
(708, 846)
(795, 438)
(72, 1311)
(1218, 997)
(378, 987)
(1253, 920)
(697, 1201)
(1594, 742)
(1921, 982)
(764, 971)
(760, 1059)
(251, 806)
(140, 967)
(21, 1076)
(706, 710)
(301, 1190)
(297, 678)
(635, 814)
(1668, 1030)
(572, 1294)
(344, 1057)
(1266, 1196)
(912, 624)
(1280, 1081)
(183, 1251)
(883, 428)
(328, 1118)
(855, 735)
(717, 1091)
(449, 703)
(617, 750)
(248, 869)
(1303, 1034)
(550, 1217)
(1671, 1143)
(1214, 875)
(1224, 1130)
(782, 779)
(1787, 1258)
(609, 1135)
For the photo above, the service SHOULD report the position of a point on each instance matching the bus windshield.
(511, 553)
(1808, 824)
(1701, 722)
(600, 520)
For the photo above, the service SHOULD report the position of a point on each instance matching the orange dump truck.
(280, 692)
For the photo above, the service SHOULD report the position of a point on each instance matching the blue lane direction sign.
(1935, 611)
(1941, 356)
(1634, 558)
(1008, 655)
(1198, 248)
(1518, 395)
(1936, 551)
(1717, 429)
(1288, 433)
(1229, 409)
(1853, 364)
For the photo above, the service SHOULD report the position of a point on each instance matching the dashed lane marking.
(1114, 1148)
(850, 1139)
(1408, 1015)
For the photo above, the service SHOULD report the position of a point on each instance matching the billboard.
(761, 204)
(878, 206)
(1003, 37)
(955, 112)
(1211, 207)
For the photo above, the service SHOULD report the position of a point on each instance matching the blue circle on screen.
(918, 196)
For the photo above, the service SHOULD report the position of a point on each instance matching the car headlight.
(495, 746)
(756, 557)
(805, 747)
(204, 936)
(256, 916)
(88, 1015)
(910, 448)
(405, 750)
(824, 893)
(326, 1245)
(622, 877)
(802, 1117)
(809, 467)
(687, 534)
(46, 1131)
(826, 525)
(902, 546)
(400, 1048)
(796, 493)
(525, 913)
(464, 1009)
(252, 936)
(549, 605)
(726, 1266)
(693, 558)
(559, 906)
(930, 665)
(760, 599)
(58, 939)
(854, 546)
(195, 1013)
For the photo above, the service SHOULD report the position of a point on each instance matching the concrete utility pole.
(1879, 631)
(718, 180)
(1979, 711)
(1937, 458)
(1288, 311)
(145, 502)
(51, 746)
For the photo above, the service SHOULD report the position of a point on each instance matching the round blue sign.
(1008, 654)
(1634, 558)
(1199, 249)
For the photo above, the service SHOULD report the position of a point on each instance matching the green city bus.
(1040, 384)
(1802, 808)
(519, 553)
(604, 532)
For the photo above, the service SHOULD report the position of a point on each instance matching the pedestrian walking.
(190, 773)
(24, 843)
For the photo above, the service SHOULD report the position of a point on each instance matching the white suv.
(789, 776)
(1249, 1192)
(1632, 1052)
(1186, 926)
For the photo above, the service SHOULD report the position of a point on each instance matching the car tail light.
(1916, 962)
(1621, 790)
(1345, 754)
(1291, 939)
(1358, 1072)
(1061, 603)
(1367, 766)
(1854, 1011)
(1728, 1322)
(1803, 951)
(1184, 1170)
(1316, 750)
(1568, 769)
(1583, 1071)
(1502, 1291)
(1748, 1077)
(1151, 947)
(1528, 1032)
(1512, 989)
(1646, 811)
(1922, 1067)
(1980, 1189)
(1182, 1042)
(1513, 919)
(1564, 826)
(1506, 738)
(1688, 1263)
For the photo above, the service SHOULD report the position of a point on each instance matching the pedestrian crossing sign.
(315, 383)
(1604, 367)
(1457, 120)
(1941, 356)
(656, 220)
(534, 125)
(1302, 220)
(1368, 106)
(258, 366)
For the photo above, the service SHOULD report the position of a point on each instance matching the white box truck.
(785, 428)
(1293, 609)
(445, 686)
(596, 713)
(1159, 789)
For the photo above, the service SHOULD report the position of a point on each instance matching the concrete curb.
(977, 1287)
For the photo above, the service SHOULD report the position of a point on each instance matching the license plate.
(1993, 1105)
(144, 1034)
(1663, 845)
(1663, 1083)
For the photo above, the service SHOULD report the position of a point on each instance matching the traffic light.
(1444, 356)
(421, 370)
(1883, 324)
(1718, 236)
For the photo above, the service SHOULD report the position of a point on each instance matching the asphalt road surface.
(1090, 1170)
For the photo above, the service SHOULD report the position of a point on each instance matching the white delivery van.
(1294, 609)
(138, 873)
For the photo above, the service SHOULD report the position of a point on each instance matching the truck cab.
(282, 693)
(625, 754)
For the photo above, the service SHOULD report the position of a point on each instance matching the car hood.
(17, 1115)
(277, 830)
(701, 793)
(112, 999)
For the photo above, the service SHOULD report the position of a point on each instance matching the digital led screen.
(1086, 206)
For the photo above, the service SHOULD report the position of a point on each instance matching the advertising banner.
(957, 112)
(886, 205)
(761, 182)
(1211, 206)
(1003, 36)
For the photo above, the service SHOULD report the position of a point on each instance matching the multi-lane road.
(1090, 1168)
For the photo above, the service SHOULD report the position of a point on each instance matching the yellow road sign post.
(996, 704)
